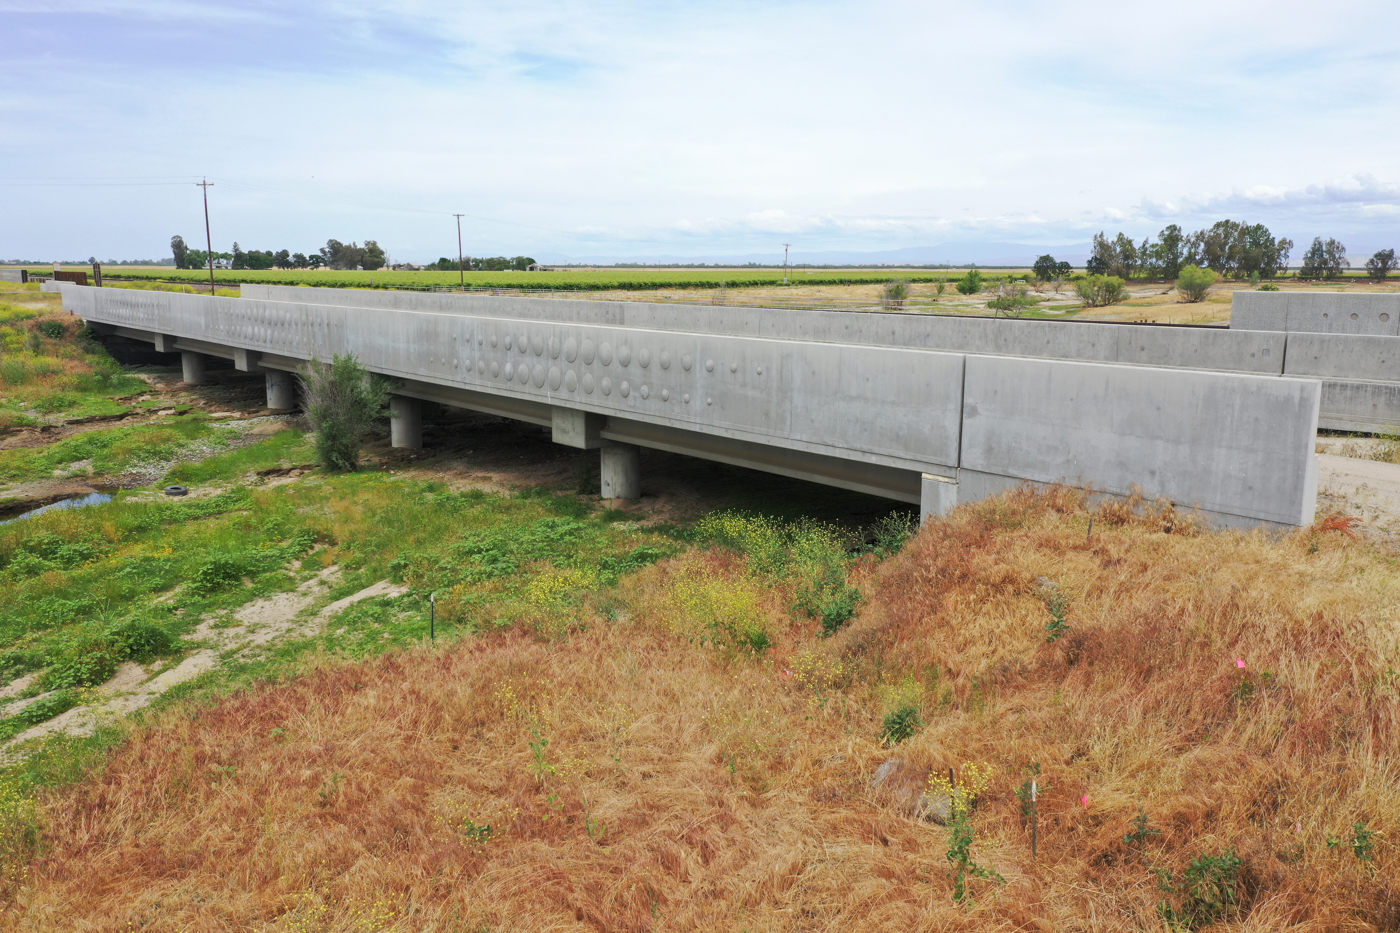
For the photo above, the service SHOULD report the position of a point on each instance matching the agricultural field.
(454, 690)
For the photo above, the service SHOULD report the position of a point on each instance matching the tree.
(1046, 268)
(1325, 259)
(1381, 264)
(299, 260)
(372, 257)
(1125, 257)
(342, 402)
(1194, 282)
(240, 258)
(180, 251)
(1170, 244)
(282, 259)
(1096, 266)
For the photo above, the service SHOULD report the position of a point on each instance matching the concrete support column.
(622, 471)
(938, 495)
(193, 364)
(405, 422)
(281, 395)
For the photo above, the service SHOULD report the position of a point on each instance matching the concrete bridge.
(923, 409)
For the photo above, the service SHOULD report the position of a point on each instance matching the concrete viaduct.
(924, 409)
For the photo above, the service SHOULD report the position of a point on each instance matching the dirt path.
(1367, 489)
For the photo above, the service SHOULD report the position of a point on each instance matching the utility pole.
(785, 263)
(208, 240)
(461, 275)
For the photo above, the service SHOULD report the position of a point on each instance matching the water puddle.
(72, 502)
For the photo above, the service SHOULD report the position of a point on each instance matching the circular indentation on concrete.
(495, 370)
(646, 393)
(606, 386)
(1385, 316)
(1353, 315)
(587, 382)
(457, 364)
(554, 348)
(509, 340)
(510, 370)
(571, 349)
(760, 370)
(556, 378)
(665, 395)
(537, 344)
(586, 351)
(481, 366)
(625, 388)
(522, 374)
(686, 398)
(644, 357)
(605, 353)
(540, 375)
(624, 355)
(571, 381)
(733, 367)
(709, 366)
(664, 359)
(1325, 315)
(479, 340)
(709, 401)
(522, 343)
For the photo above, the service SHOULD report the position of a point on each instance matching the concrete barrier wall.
(10, 275)
(1237, 446)
(1374, 313)
(1116, 427)
(1210, 348)
(1343, 356)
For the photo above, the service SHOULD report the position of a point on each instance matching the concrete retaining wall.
(1376, 313)
(863, 414)
(10, 275)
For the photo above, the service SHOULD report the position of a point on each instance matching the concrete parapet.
(51, 286)
(11, 275)
(1374, 313)
(1371, 407)
(1344, 356)
(1238, 447)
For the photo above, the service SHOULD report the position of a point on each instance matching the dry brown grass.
(691, 786)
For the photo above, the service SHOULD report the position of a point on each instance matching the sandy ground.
(1366, 489)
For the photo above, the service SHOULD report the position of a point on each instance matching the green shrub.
(1194, 282)
(896, 293)
(901, 724)
(1268, 287)
(141, 641)
(216, 573)
(970, 284)
(342, 403)
(54, 330)
(1100, 290)
(87, 660)
(1205, 893)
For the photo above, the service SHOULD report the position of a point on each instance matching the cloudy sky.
(705, 129)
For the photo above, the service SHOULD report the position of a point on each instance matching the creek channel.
(99, 496)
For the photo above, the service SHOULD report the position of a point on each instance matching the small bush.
(901, 724)
(141, 641)
(896, 293)
(217, 573)
(342, 404)
(969, 284)
(85, 662)
(1268, 287)
(1205, 893)
(54, 330)
(1100, 290)
(1194, 282)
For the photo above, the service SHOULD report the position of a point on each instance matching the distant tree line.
(334, 255)
(484, 264)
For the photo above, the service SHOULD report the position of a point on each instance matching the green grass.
(116, 450)
(284, 448)
(584, 280)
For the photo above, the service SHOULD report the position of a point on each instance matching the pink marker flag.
(1085, 800)
(1239, 662)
